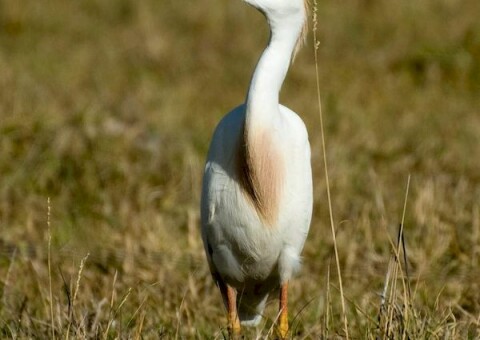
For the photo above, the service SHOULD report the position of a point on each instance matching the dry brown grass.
(107, 107)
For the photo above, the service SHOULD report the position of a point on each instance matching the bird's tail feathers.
(250, 308)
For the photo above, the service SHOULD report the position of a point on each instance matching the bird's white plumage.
(252, 253)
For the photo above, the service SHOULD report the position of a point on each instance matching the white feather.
(241, 248)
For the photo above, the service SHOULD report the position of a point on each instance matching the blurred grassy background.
(107, 107)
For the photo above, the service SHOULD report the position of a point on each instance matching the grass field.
(107, 108)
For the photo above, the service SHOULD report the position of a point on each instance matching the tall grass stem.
(325, 163)
(49, 255)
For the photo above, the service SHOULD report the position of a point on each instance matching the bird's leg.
(283, 318)
(230, 297)
(233, 321)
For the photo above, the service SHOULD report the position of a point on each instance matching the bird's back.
(241, 245)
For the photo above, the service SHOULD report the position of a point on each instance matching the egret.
(256, 201)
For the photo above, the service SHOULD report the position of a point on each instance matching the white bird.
(257, 187)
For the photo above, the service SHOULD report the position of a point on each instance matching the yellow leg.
(283, 319)
(233, 321)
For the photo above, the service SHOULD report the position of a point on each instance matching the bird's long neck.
(261, 166)
(262, 99)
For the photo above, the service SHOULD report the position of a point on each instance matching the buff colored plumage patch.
(260, 169)
(303, 35)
